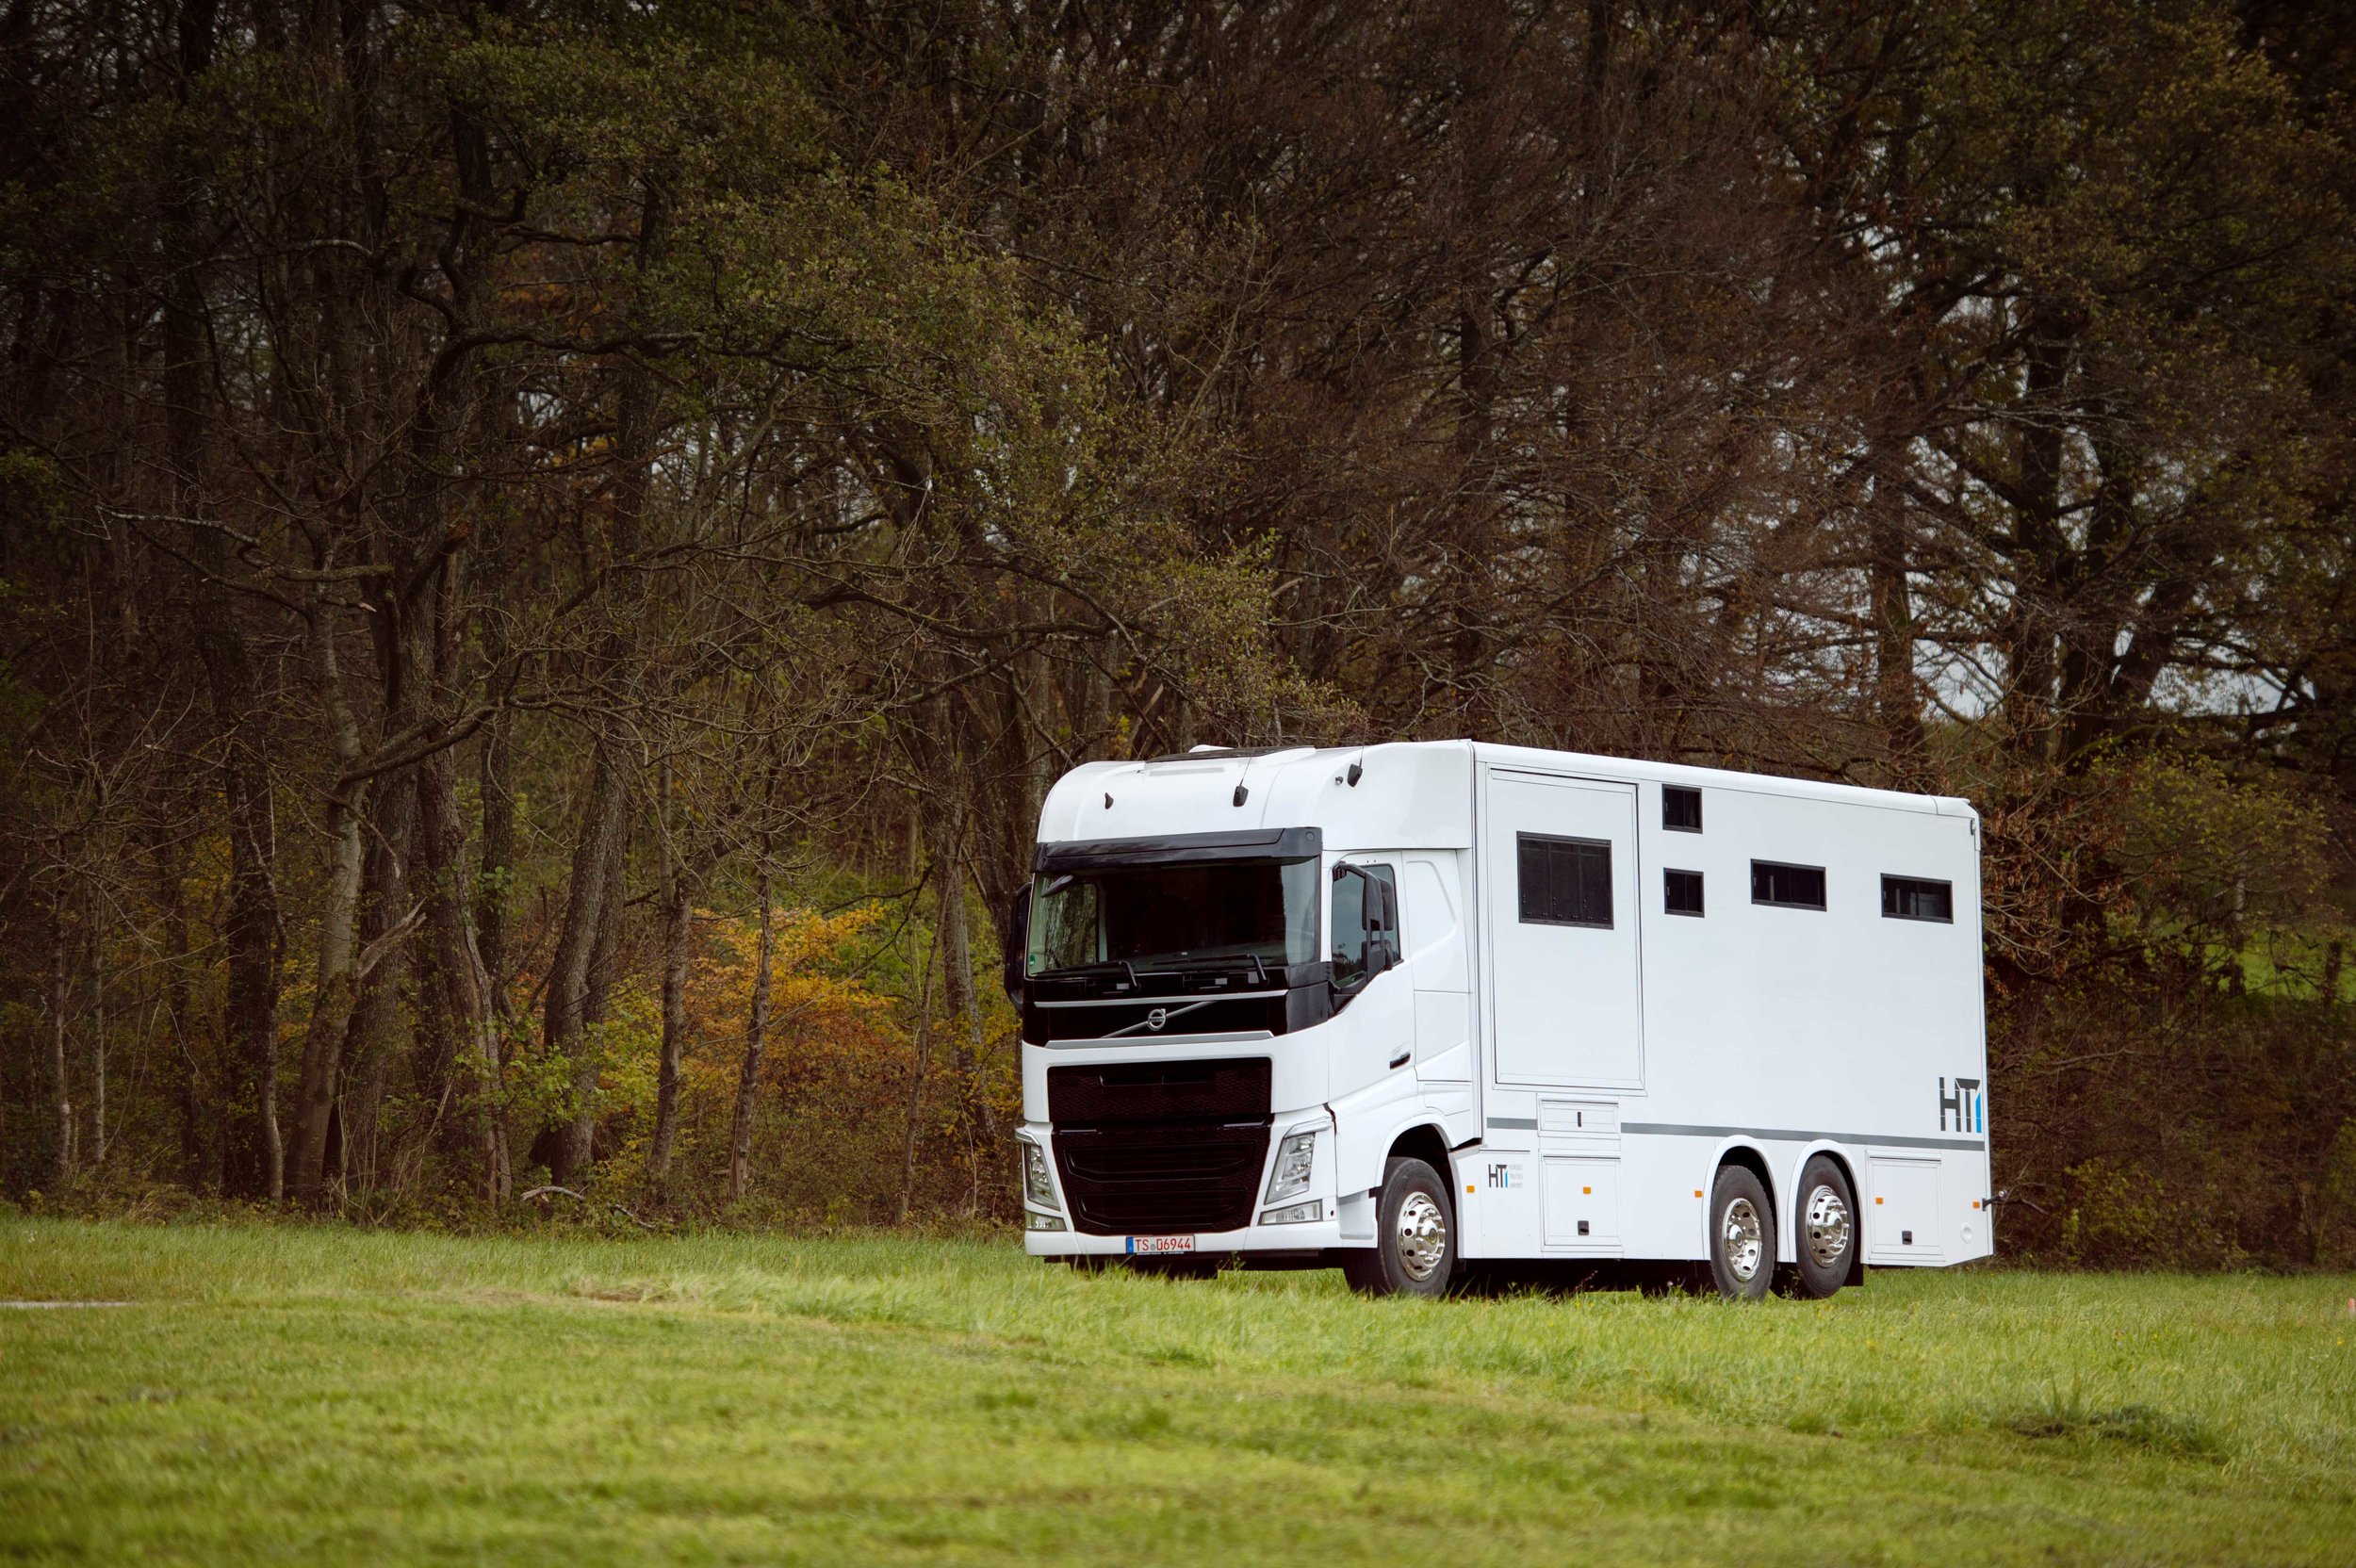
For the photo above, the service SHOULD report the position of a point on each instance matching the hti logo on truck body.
(1966, 1106)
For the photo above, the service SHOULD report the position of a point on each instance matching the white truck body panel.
(1588, 1075)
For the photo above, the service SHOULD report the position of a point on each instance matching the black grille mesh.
(1230, 1090)
(1161, 1179)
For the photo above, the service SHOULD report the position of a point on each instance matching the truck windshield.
(1176, 916)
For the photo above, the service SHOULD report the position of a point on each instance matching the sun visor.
(1255, 843)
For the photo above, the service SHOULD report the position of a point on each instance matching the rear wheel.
(1826, 1235)
(1414, 1236)
(1742, 1235)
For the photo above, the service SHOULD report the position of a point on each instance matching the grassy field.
(331, 1396)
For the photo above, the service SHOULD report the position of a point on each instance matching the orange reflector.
(1976, 1203)
(1876, 1200)
(1697, 1192)
(1587, 1189)
(1468, 1186)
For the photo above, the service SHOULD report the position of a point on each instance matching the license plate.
(1146, 1247)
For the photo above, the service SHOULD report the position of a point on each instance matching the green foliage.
(2236, 876)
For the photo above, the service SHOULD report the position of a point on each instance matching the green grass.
(333, 1395)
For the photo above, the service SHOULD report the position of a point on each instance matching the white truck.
(1407, 1007)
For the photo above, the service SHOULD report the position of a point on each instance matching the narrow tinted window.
(1563, 881)
(1918, 898)
(1787, 886)
(1681, 892)
(1680, 809)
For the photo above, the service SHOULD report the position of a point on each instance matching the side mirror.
(1382, 940)
(1014, 939)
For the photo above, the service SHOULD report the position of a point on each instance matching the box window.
(1680, 809)
(1787, 886)
(1918, 898)
(1563, 881)
(1681, 892)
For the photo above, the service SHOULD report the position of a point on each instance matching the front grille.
(1162, 1179)
(1231, 1089)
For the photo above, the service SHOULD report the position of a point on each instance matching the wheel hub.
(1422, 1236)
(1743, 1240)
(1827, 1226)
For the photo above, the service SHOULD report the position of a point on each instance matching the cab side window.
(1366, 920)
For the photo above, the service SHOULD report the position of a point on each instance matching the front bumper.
(1315, 1236)
(1108, 1238)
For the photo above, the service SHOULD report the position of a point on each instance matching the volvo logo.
(1155, 1019)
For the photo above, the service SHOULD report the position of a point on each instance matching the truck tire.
(1824, 1227)
(1742, 1235)
(1414, 1236)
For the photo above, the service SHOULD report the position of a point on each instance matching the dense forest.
(550, 550)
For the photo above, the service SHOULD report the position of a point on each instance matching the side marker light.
(1697, 1192)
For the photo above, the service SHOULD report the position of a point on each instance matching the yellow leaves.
(806, 1001)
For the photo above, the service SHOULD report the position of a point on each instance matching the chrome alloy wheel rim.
(1742, 1239)
(1827, 1225)
(1422, 1236)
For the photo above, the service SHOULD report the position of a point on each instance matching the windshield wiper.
(1078, 972)
(1258, 970)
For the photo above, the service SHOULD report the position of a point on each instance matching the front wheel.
(1742, 1235)
(1414, 1236)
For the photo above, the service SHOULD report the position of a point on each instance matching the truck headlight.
(1294, 1157)
(1036, 1185)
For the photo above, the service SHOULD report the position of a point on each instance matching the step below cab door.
(1560, 967)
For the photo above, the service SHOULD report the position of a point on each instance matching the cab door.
(1374, 999)
(1561, 973)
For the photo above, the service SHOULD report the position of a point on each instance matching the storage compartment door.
(1582, 1198)
(1560, 901)
(1902, 1216)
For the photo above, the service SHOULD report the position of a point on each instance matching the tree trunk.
(578, 977)
(976, 1117)
(171, 897)
(916, 1079)
(598, 855)
(466, 1020)
(98, 1040)
(678, 930)
(59, 1085)
(1897, 699)
(370, 1041)
(497, 789)
(273, 1143)
(756, 1038)
(250, 924)
(463, 987)
(339, 904)
(2031, 628)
